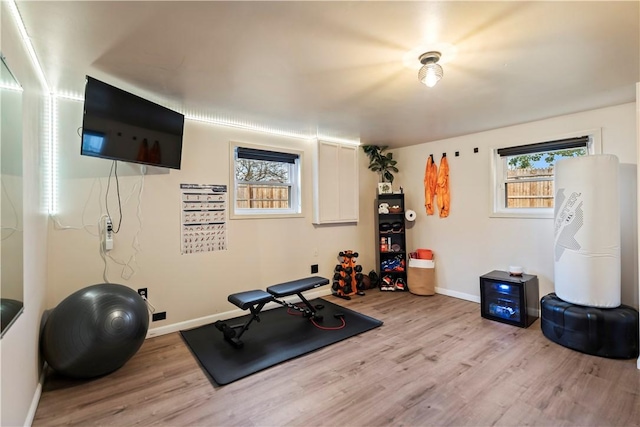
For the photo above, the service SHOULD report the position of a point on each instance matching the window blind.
(560, 144)
(269, 156)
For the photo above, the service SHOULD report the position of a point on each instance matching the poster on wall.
(204, 226)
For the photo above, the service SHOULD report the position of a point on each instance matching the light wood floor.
(434, 362)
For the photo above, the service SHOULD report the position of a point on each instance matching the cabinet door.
(327, 181)
(348, 185)
(336, 183)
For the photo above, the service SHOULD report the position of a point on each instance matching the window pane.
(545, 159)
(266, 182)
(529, 180)
(261, 171)
(529, 194)
(262, 196)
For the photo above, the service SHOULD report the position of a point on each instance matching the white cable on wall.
(16, 227)
(103, 253)
(59, 226)
(128, 269)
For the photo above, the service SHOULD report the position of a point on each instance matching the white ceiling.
(338, 68)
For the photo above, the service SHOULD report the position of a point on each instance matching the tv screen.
(118, 125)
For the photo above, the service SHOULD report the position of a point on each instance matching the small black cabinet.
(391, 257)
(509, 299)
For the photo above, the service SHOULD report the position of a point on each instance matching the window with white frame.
(523, 175)
(266, 182)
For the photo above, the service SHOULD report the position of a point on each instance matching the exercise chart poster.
(204, 218)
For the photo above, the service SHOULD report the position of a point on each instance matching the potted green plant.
(382, 163)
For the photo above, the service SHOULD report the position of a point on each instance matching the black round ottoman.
(606, 332)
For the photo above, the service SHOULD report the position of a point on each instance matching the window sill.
(262, 215)
(523, 213)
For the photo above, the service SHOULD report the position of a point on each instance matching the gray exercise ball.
(95, 330)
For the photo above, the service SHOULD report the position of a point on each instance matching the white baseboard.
(36, 399)
(459, 295)
(194, 323)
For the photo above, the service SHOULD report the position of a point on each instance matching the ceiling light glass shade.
(430, 74)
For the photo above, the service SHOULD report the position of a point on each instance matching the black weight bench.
(254, 301)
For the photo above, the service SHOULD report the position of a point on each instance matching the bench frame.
(255, 301)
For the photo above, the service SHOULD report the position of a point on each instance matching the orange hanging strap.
(442, 189)
(430, 182)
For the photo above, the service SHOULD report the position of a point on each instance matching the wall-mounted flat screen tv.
(118, 125)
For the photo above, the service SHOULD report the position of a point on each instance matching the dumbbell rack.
(391, 227)
(347, 279)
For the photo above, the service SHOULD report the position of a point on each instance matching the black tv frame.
(133, 129)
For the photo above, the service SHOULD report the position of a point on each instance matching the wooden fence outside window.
(262, 197)
(530, 188)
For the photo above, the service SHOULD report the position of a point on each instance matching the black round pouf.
(95, 330)
(605, 332)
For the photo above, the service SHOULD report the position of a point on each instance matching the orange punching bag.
(430, 181)
(442, 187)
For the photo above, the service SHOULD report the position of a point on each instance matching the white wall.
(638, 183)
(11, 212)
(20, 363)
(261, 252)
(469, 243)
(12, 235)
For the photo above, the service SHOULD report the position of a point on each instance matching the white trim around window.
(294, 184)
(497, 207)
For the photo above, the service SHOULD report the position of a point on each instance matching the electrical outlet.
(159, 316)
(314, 268)
(143, 293)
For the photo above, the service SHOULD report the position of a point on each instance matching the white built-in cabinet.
(335, 196)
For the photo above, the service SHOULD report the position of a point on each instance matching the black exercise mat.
(278, 337)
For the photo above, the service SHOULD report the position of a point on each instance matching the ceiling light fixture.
(430, 72)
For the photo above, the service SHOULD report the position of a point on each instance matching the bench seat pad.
(246, 300)
(297, 286)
